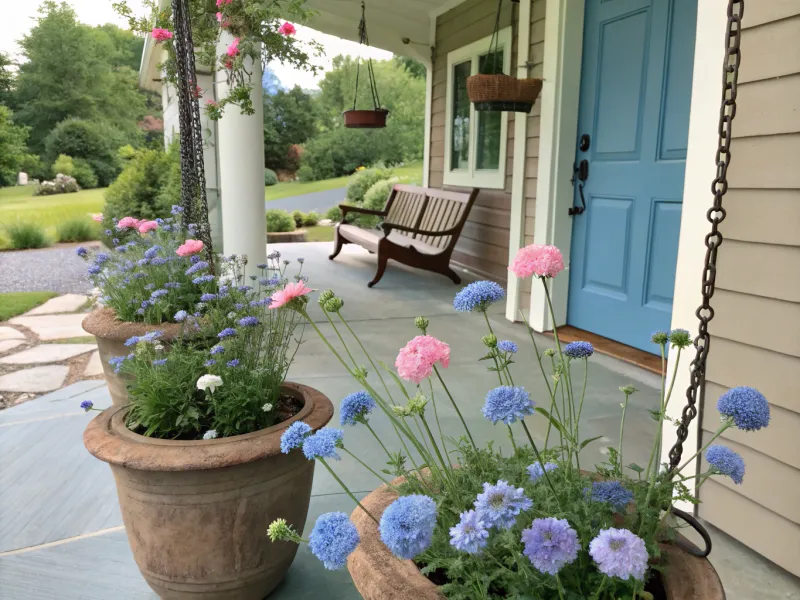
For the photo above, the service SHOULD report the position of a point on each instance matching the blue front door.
(636, 85)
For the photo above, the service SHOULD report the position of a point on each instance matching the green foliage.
(341, 151)
(62, 184)
(84, 174)
(143, 189)
(77, 230)
(6, 79)
(270, 178)
(63, 164)
(279, 221)
(23, 235)
(361, 181)
(95, 142)
(12, 147)
(126, 153)
(34, 167)
(414, 67)
(375, 199)
(306, 173)
(298, 217)
(310, 219)
(289, 119)
(334, 213)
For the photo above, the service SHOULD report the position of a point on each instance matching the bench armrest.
(387, 229)
(346, 208)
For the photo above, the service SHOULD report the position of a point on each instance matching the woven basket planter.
(502, 92)
(365, 119)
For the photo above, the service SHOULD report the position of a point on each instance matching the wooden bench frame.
(431, 219)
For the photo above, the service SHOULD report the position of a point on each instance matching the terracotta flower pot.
(379, 575)
(365, 119)
(111, 334)
(196, 512)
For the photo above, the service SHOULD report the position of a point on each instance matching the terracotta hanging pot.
(374, 118)
(502, 92)
(365, 119)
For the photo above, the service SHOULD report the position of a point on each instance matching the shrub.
(310, 219)
(305, 173)
(95, 142)
(270, 177)
(62, 184)
(298, 217)
(334, 213)
(341, 151)
(126, 152)
(375, 199)
(279, 221)
(139, 190)
(23, 235)
(361, 181)
(84, 174)
(63, 165)
(32, 165)
(77, 230)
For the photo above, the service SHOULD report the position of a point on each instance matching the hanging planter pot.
(374, 118)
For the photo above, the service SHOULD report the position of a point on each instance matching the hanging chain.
(364, 40)
(193, 178)
(715, 215)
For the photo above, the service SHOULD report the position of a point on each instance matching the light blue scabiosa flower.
(116, 362)
(248, 321)
(619, 553)
(333, 539)
(152, 251)
(132, 340)
(158, 294)
(535, 472)
(81, 251)
(550, 544)
(203, 279)
(355, 407)
(500, 504)
(323, 444)
(747, 407)
(217, 349)
(727, 462)
(94, 269)
(233, 363)
(159, 362)
(176, 210)
(407, 525)
(294, 436)
(101, 257)
(609, 492)
(478, 296)
(87, 405)
(507, 404)
(210, 362)
(196, 267)
(470, 535)
(579, 350)
(226, 333)
(208, 297)
(158, 261)
(180, 316)
(507, 346)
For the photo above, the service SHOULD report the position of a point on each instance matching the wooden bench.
(420, 229)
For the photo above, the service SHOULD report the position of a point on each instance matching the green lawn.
(16, 303)
(319, 233)
(409, 174)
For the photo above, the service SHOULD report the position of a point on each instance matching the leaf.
(585, 443)
(636, 468)
(553, 420)
(396, 379)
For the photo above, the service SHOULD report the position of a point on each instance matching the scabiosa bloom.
(81, 251)
(248, 321)
(323, 444)
(227, 332)
(536, 259)
(176, 210)
(158, 261)
(87, 405)
(217, 349)
(507, 404)
(333, 539)
(507, 346)
(180, 316)
(610, 492)
(747, 407)
(101, 258)
(726, 461)
(233, 363)
(294, 436)
(416, 359)
(535, 471)
(619, 553)
(189, 247)
(158, 294)
(202, 279)
(210, 362)
(550, 544)
(289, 293)
(208, 297)
(355, 407)
(500, 504)
(159, 361)
(478, 296)
(470, 535)
(579, 350)
(210, 434)
(407, 525)
(197, 266)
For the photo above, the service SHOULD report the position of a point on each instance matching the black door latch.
(579, 175)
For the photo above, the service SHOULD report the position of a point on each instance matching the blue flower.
(198, 266)
(244, 288)
(301, 260)
(500, 504)
(535, 472)
(195, 259)
(227, 332)
(176, 210)
(208, 297)
(355, 407)
(151, 336)
(294, 436)
(152, 251)
(323, 444)
(262, 302)
(747, 407)
(248, 321)
(261, 266)
(202, 279)
(478, 296)
(101, 257)
(158, 294)
(210, 362)
(87, 405)
(107, 232)
(550, 544)
(180, 316)
(470, 534)
(142, 262)
(139, 275)
(116, 361)
(81, 251)
(507, 404)
(158, 261)
(94, 269)
(333, 539)
(579, 350)
(150, 286)
(726, 461)
(619, 553)
(507, 346)
(233, 363)
(610, 492)
(407, 525)
(132, 340)
(217, 349)
(145, 304)
(159, 361)
(238, 306)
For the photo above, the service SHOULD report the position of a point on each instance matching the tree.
(413, 67)
(289, 119)
(95, 142)
(6, 80)
(12, 147)
(127, 47)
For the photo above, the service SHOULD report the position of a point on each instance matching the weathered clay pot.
(379, 575)
(196, 512)
(111, 334)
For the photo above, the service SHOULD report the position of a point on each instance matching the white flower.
(158, 346)
(209, 382)
(210, 434)
(267, 407)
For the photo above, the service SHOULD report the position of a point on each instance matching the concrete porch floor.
(61, 533)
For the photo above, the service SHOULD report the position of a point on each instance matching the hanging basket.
(502, 92)
(365, 118)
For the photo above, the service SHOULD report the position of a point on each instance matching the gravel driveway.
(48, 270)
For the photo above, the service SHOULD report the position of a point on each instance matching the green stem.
(367, 354)
(455, 406)
(538, 355)
(438, 423)
(375, 435)
(341, 339)
(621, 432)
(511, 437)
(347, 490)
(580, 410)
(602, 584)
(539, 458)
(433, 443)
(370, 469)
(560, 588)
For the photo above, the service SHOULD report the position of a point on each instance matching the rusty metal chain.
(715, 215)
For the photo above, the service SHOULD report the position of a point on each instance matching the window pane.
(488, 144)
(459, 152)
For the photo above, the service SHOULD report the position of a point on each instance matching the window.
(475, 142)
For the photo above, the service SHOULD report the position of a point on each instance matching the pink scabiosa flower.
(160, 34)
(97, 217)
(287, 29)
(146, 226)
(221, 3)
(537, 259)
(416, 359)
(189, 247)
(290, 292)
(233, 49)
(128, 223)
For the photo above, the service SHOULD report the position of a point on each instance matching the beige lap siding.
(483, 245)
(756, 330)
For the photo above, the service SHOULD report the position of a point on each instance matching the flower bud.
(680, 338)
(659, 337)
(422, 323)
(549, 352)
(489, 340)
(325, 296)
(627, 389)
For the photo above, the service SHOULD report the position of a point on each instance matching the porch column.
(240, 148)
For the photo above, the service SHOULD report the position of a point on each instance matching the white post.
(240, 145)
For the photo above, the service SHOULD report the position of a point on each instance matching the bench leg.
(382, 260)
(338, 242)
(452, 275)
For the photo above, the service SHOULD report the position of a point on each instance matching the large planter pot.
(196, 512)
(379, 575)
(111, 334)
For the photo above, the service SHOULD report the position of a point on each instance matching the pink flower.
(539, 260)
(220, 3)
(415, 361)
(97, 217)
(146, 226)
(290, 292)
(219, 16)
(128, 223)
(189, 247)
(233, 49)
(223, 22)
(210, 102)
(287, 29)
(160, 34)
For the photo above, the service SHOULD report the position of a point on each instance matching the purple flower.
(294, 436)
(101, 257)
(244, 288)
(470, 535)
(87, 405)
(500, 504)
(158, 294)
(248, 321)
(142, 262)
(747, 407)
(507, 346)
(81, 251)
(208, 297)
(180, 316)
(210, 362)
(610, 492)
(619, 553)
(323, 444)
(198, 266)
(579, 350)
(535, 472)
(94, 269)
(227, 332)
(159, 361)
(217, 349)
(158, 261)
(172, 285)
(202, 279)
(152, 251)
(176, 210)
(550, 544)
(507, 404)
(233, 363)
(726, 462)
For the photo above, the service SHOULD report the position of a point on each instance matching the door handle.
(580, 175)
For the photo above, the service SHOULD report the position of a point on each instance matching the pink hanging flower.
(221, 3)
(146, 226)
(290, 292)
(160, 34)
(223, 22)
(97, 217)
(189, 247)
(233, 49)
(128, 223)
(287, 29)
(537, 259)
(415, 361)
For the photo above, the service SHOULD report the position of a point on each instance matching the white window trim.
(472, 177)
